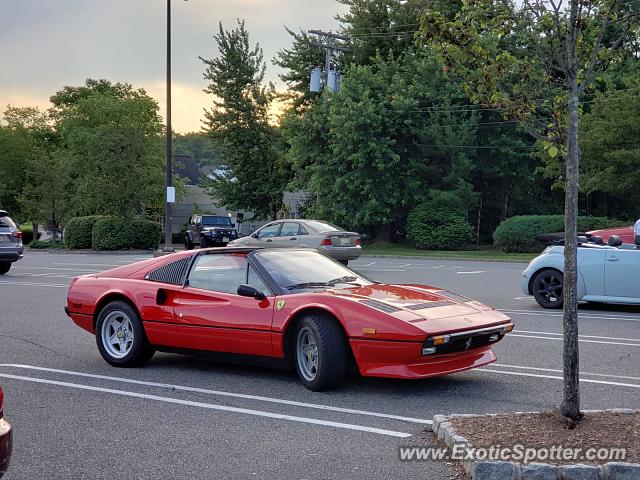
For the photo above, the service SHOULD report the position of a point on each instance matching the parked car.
(626, 234)
(6, 439)
(11, 248)
(328, 239)
(209, 231)
(606, 273)
(292, 306)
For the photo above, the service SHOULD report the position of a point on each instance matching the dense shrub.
(78, 231)
(438, 227)
(517, 234)
(115, 233)
(41, 244)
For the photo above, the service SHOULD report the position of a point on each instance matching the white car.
(606, 273)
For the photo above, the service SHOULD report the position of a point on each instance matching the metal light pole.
(169, 191)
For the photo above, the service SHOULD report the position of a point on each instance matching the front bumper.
(525, 280)
(6, 445)
(219, 237)
(404, 359)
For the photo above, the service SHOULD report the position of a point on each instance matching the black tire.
(203, 242)
(330, 353)
(139, 352)
(547, 288)
(344, 262)
(188, 244)
(5, 267)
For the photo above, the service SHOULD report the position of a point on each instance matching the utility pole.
(330, 46)
(168, 242)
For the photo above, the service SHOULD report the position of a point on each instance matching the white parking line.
(555, 370)
(624, 318)
(84, 270)
(471, 273)
(581, 336)
(222, 393)
(213, 406)
(555, 377)
(28, 284)
(87, 264)
(540, 337)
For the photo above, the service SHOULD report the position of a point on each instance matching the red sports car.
(625, 233)
(5, 439)
(296, 306)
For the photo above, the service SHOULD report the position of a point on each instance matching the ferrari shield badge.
(280, 304)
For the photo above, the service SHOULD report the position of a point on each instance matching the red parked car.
(293, 305)
(6, 440)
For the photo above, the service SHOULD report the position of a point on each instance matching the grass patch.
(486, 253)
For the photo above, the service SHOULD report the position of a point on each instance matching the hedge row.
(517, 234)
(438, 227)
(112, 233)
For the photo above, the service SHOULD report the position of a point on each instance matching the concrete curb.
(504, 470)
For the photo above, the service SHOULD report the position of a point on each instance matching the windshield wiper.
(348, 280)
(308, 285)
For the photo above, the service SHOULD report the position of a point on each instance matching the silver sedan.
(328, 239)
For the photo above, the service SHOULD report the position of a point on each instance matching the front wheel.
(203, 242)
(320, 352)
(547, 288)
(188, 244)
(120, 336)
(4, 268)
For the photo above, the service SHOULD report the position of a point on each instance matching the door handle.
(293, 238)
(613, 259)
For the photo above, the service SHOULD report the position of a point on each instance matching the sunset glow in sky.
(47, 44)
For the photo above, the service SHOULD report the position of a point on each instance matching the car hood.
(429, 308)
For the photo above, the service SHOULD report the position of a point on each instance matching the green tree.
(113, 147)
(239, 120)
(380, 145)
(532, 61)
(200, 147)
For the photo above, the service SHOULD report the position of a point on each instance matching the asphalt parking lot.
(183, 417)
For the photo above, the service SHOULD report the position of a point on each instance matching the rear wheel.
(320, 352)
(120, 336)
(547, 288)
(344, 262)
(4, 268)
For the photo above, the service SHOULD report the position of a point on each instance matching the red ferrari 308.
(296, 306)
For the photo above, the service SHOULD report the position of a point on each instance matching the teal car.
(606, 274)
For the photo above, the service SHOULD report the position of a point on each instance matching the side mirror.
(233, 225)
(249, 291)
(254, 235)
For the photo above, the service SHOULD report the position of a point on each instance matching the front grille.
(173, 272)
(467, 341)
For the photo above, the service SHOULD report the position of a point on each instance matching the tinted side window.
(254, 280)
(289, 229)
(269, 231)
(219, 273)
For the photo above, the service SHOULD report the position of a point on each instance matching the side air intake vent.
(173, 272)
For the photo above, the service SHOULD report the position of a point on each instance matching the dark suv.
(209, 231)
(10, 242)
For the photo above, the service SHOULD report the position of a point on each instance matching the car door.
(289, 235)
(266, 236)
(621, 271)
(211, 316)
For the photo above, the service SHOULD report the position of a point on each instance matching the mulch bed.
(533, 430)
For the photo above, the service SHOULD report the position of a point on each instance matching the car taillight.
(18, 234)
(1, 401)
(326, 241)
(358, 242)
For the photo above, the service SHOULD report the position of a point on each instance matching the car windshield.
(218, 220)
(306, 269)
(322, 226)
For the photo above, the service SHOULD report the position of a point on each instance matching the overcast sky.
(47, 44)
